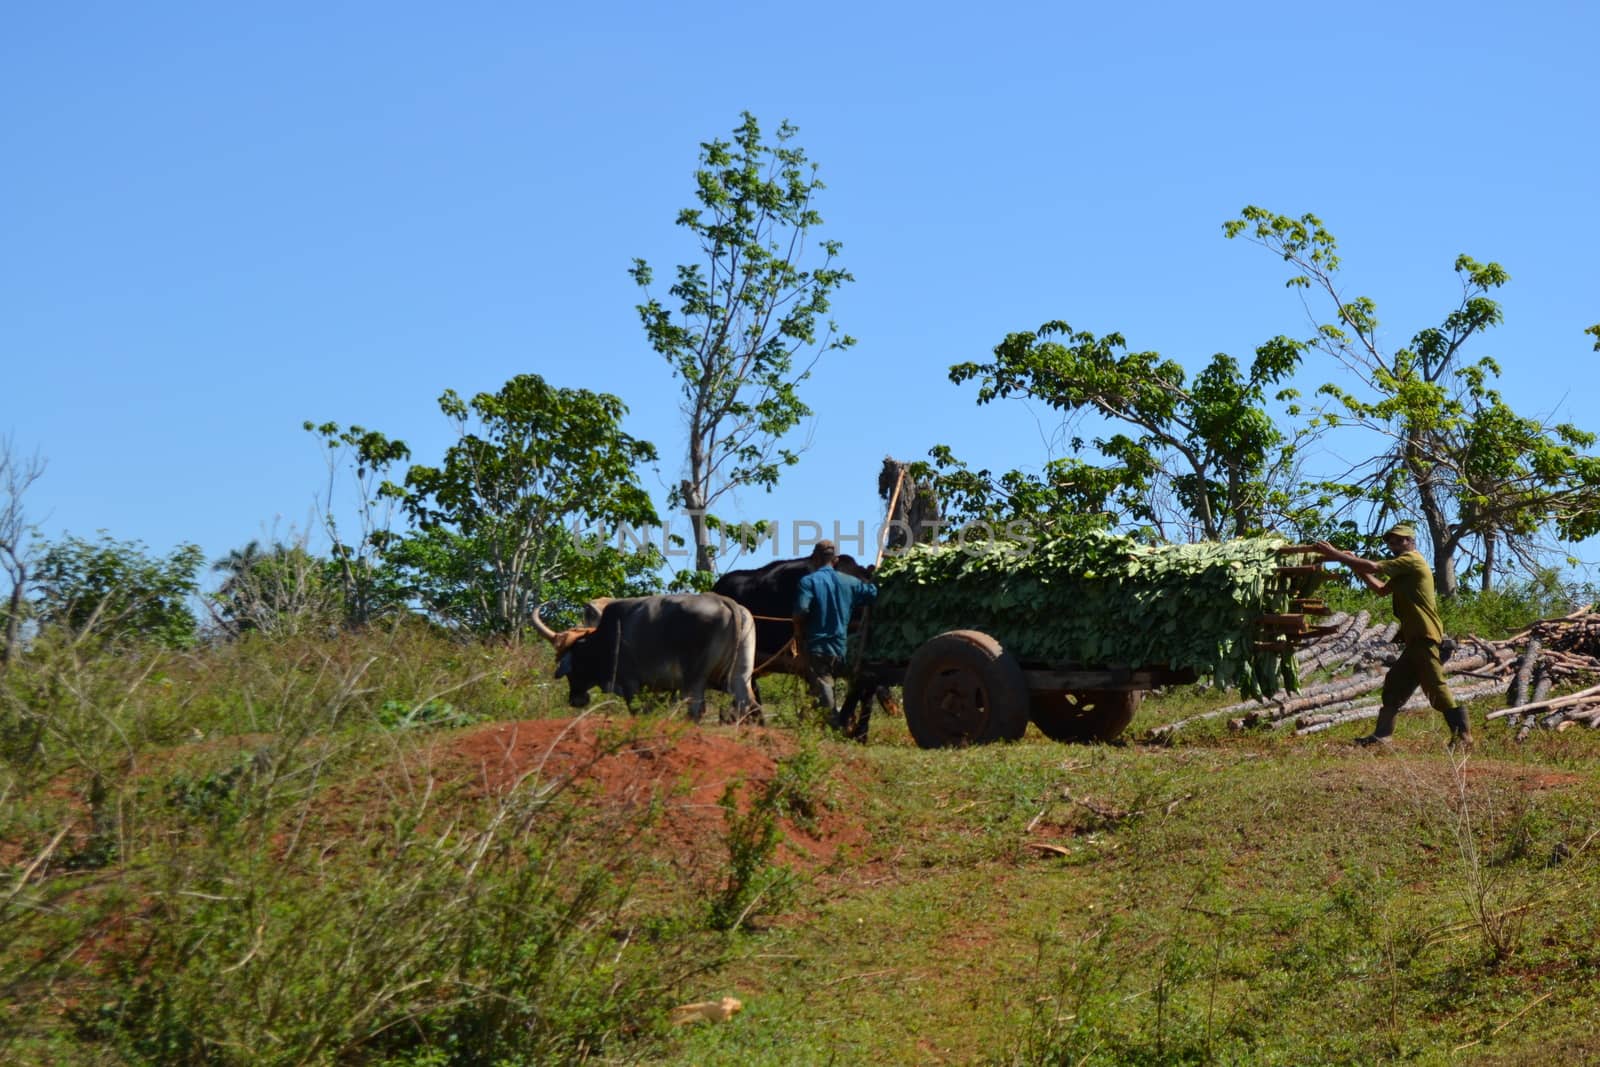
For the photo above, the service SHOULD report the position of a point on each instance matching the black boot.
(1381, 729)
(1460, 732)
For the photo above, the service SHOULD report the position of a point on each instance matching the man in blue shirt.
(823, 605)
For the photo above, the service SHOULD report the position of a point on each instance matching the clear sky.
(220, 220)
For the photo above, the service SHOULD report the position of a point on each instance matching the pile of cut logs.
(1354, 655)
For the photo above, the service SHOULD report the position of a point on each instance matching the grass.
(1309, 905)
(251, 854)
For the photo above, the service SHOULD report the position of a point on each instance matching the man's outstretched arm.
(1366, 569)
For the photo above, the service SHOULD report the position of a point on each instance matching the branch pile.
(1525, 667)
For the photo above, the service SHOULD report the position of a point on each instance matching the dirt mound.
(630, 765)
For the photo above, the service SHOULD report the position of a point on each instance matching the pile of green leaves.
(1079, 599)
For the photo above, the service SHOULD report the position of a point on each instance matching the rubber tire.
(1092, 715)
(962, 688)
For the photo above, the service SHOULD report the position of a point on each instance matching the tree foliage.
(118, 591)
(1452, 452)
(494, 520)
(1067, 494)
(746, 315)
(366, 588)
(1203, 456)
(281, 591)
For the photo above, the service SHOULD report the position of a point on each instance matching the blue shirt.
(827, 598)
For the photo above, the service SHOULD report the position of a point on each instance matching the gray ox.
(679, 643)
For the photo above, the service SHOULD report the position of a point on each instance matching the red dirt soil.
(634, 763)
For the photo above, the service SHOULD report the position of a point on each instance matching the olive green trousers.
(1418, 666)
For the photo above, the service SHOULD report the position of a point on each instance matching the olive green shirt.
(1411, 587)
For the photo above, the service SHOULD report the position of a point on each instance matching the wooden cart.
(962, 687)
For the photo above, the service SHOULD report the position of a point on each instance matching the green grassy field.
(390, 849)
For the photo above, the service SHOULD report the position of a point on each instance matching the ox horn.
(539, 625)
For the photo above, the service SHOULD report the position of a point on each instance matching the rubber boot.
(1460, 732)
(1381, 729)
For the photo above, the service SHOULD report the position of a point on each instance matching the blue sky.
(221, 220)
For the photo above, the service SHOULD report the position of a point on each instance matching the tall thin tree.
(750, 321)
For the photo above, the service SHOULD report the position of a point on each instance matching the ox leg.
(746, 704)
(746, 712)
(856, 713)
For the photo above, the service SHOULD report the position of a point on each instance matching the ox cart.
(964, 686)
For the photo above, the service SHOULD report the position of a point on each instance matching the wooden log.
(1370, 711)
(1313, 632)
(1341, 623)
(1320, 656)
(1559, 702)
(1271, 709)
(1542, 682)
(1580, 613)
(1325, 713)
(1368, 652)
(1524, 672)
(1343, 691)
(1572, 661)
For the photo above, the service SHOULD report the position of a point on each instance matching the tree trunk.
(13, 622)
(1433, 516)
(694, 502)
(1444, 573)
(1488, 561)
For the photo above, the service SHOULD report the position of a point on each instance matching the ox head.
(593, 610)
(848, 565)
(569, 646)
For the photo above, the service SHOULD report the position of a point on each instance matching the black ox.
(680, 643)
(769, 592)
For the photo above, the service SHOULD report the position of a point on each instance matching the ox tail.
(742, 669)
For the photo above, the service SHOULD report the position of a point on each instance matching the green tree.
(118, 591)
(1067, 493)
(366, 589)
(1452, 453)
(452, 575)
(747, 327)
(495, 520)
(282, 591)
(1203, 455)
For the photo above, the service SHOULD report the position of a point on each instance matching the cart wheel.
(1092, 715)
(962, 688)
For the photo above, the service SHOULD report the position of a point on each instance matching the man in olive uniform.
(1409, 581)
(822, 608)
